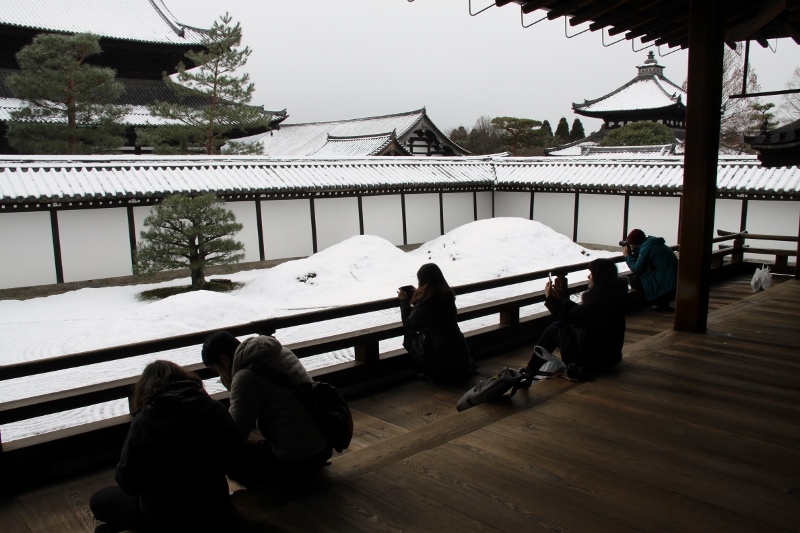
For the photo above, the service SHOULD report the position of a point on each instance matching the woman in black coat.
(171, 474)
(432, 336)
(590, 335)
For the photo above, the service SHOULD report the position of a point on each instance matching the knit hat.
(636, 237)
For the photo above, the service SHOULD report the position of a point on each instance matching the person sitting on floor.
(171, 473)
(655, 268)
(294, 441)
(590, 335)
(433, 337)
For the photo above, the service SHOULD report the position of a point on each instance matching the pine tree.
(562, 130)
(642, 133)
(519, 132)
(68, 103)
(546, 129)
(188, 232)
(227, 94)
(576, 133)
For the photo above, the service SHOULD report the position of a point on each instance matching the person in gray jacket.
(292, 438)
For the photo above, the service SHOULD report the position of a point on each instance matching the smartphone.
(408, 289)
(550, 278)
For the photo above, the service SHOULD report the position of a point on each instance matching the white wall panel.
(26, 241)
(337, 220)
(512, 204)
(383, 216)
(657, 216)
(600, 218)
(287, 228)
(245, 213)
(458, 209)
(727, 215)
(485, 199)
(422, 217)
(94, 243)
(556, 210)
(772, 218)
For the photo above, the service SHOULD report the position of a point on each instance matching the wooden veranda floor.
(691, 433)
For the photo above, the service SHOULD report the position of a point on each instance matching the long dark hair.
(155, 376)
(431, 284)
(603, 271)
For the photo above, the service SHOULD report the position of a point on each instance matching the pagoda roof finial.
(651, 66)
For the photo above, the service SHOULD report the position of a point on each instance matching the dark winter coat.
(597, 325)
(656, 265)
(257, 401)
(446, 354)
(175, 458)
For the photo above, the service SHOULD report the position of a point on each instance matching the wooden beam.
(260, 230)
(313, 225)
(56, 246)
(706, 42)
(768, 12)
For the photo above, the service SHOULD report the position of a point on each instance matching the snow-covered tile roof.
(355, 146)
(31, 179)
(135, 20)
(300, 140)
(51, 178)
(643, 92)
(643, 173)
(137, 116)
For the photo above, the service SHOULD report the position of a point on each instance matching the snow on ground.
(360, 269)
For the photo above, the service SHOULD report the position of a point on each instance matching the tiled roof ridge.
(362, 119)
(637, 79)
(440, 132)
(391, 134)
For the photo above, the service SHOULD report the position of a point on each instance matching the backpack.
(325, 403)
(493, 388)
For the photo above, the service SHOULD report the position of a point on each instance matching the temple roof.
(360, 145)
(298, 140)
(649, 90)
(777, 147)
(133, 20)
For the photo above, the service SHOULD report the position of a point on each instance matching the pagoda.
(649, 96)
(140, 39)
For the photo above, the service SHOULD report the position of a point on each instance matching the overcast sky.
(329, 60)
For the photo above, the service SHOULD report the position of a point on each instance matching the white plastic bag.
(762, 279)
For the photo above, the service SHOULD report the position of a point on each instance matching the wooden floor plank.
(748, 506)
(10, 519)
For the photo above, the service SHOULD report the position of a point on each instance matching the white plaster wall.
(383, 216)
(600, 219)
(26, 240)
(337, 220)
(655, 215)
(287, 228)
(422, 217)
(139, 214)
(772, 218)
(555, 209)
(512, 204)
(458, 209)
(484, 200)
(245, 213)
(94, 243)
(727, 215)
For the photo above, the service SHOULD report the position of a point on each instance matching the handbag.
(414, 343)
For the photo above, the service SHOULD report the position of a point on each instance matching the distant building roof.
(32, 182)
(777, 147)
(300, 140)
(359, 145)
(134, 20)
(649, 90)
(593, 149)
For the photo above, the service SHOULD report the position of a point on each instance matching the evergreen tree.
(188, 232)
(547, 131)
(519, 132)
(484, 138)
(762, 118)
(192, 128)
(562, 130)
(68, 103)
(642, 133)
(576, 133)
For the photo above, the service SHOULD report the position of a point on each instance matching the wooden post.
(797, 257)
(509, 316)
(706, 33)
(738, 249)
(441, 213)
(474, 206)
(132, 236)
(313, 225)
(56, 246)
(576, 210)
(360, 216)
(403, 213)
(625, 212)
(260, 230)
(367, 352)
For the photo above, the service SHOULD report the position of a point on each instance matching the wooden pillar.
(706, 34)
(360, 216)
(132, 236)
(313, 226)
(260, 230)
(403, 212)
(441, 213)
(530, 216)
(743, 220)
(625, 214)
(575, 211)
(56, 246)
(474, 206)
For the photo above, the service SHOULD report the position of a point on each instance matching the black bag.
(414, 343)
(494, 388)
(330, 410)
(325, 403)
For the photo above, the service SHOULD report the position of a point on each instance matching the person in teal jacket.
(654, 266)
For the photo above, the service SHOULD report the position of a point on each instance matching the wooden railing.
(369, 363)
(739, 248)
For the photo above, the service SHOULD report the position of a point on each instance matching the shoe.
(576, 372)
